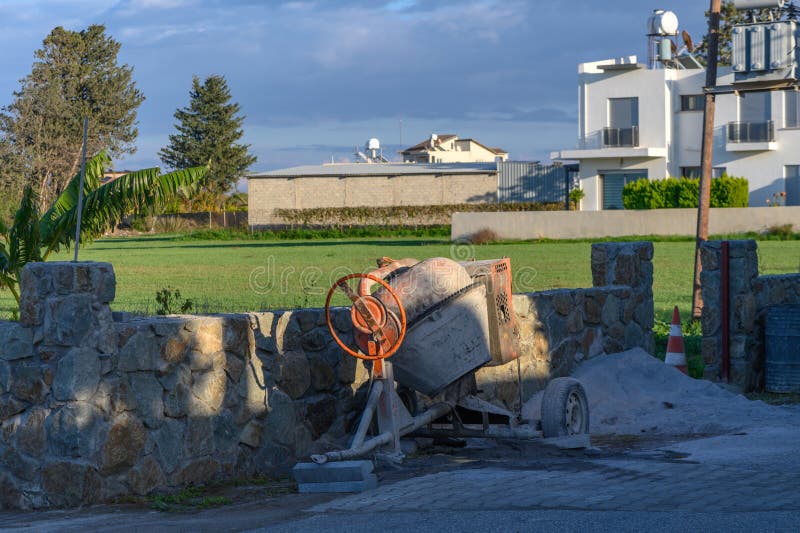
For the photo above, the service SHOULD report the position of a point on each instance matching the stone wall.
(95, 405)
(750, 297)
(560, 328)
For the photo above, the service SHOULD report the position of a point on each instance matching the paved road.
(741, 482)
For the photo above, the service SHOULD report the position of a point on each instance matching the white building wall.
(663, 125)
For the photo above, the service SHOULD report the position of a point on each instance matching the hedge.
(726, 191)
(400, 215)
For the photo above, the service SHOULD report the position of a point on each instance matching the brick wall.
(267, 194)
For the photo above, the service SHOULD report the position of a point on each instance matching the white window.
(754, 107)
(791, 100)
(692, 102)
(695, 172)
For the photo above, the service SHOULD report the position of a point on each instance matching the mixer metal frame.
(444, 417)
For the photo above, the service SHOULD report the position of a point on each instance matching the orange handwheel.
(369, 316)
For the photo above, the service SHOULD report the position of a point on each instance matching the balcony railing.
(619, 137)
(751, 132)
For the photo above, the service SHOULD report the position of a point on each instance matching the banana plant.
(32, 237)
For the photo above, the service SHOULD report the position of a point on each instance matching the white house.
(448, 148)
(637, 121)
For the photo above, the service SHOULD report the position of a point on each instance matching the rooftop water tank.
(662, 23)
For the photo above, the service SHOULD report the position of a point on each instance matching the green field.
(250, 275)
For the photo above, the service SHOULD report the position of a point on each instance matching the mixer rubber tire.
(565, 410)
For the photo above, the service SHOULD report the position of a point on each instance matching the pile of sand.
(634, 393)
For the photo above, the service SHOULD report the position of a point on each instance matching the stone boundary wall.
(599, 224)
(750, 297)
(95, 406)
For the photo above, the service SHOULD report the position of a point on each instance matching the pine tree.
(74, 75)
(208, 131)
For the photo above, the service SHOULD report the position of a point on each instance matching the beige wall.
(526, 225)
(267, 194)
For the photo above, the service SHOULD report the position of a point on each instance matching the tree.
(208, 131)
(729, 17)
(33, 237)
(74, 75)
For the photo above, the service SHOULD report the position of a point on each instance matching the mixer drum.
(448, 327)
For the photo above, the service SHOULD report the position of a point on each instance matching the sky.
(314, 78)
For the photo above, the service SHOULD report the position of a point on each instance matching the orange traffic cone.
(676, 353)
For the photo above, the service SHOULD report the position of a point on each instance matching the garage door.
(613, 182)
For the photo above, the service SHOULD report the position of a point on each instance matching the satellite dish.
(687, 40)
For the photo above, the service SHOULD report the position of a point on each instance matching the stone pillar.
(629, 264)
(745, 361)
(67, 305)
(51, 429)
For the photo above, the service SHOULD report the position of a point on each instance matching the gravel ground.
(632, 393)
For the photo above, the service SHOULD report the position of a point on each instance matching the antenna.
(687, 40)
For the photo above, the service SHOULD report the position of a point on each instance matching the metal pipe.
(434, 412)
(80, 188)
(725, 305)
(369, 410)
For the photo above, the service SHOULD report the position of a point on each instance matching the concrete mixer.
(426, 327)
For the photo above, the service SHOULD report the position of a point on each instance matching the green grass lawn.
(241, 275)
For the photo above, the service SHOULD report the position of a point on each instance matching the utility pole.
(708, 152)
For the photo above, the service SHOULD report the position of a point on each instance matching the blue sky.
(316, 78)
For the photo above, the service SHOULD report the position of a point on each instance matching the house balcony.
(751, 137)
(621, 137)
(610, 143)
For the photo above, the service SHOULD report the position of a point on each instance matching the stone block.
(77, 375)
(124, 442)
(252, 389)
(710, 348)
(315, 340)
(138, 351)
(294, 374)
(5, 377)
(209, 336)
(306, 319)
(332, 472)
(226, 434)
(208, 388)
(574, 322)
(70, 484)
(634, 336)
(169, 442)
(287, 334)
(199, 436)
(320, 414)
(322, 375)
(234, 366)
(196, 472)
(10, 406)
(251, 434)
(237, 333)
(146, 477)
(281, 418)
(68, 319)
(20, 466)
(16, 341)
(148, 392)
(74, 430)
(28, 383)
(562, 302)
(31, 438)
(178, 399)
(626, 270)
(709, 257)
(612, 310)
